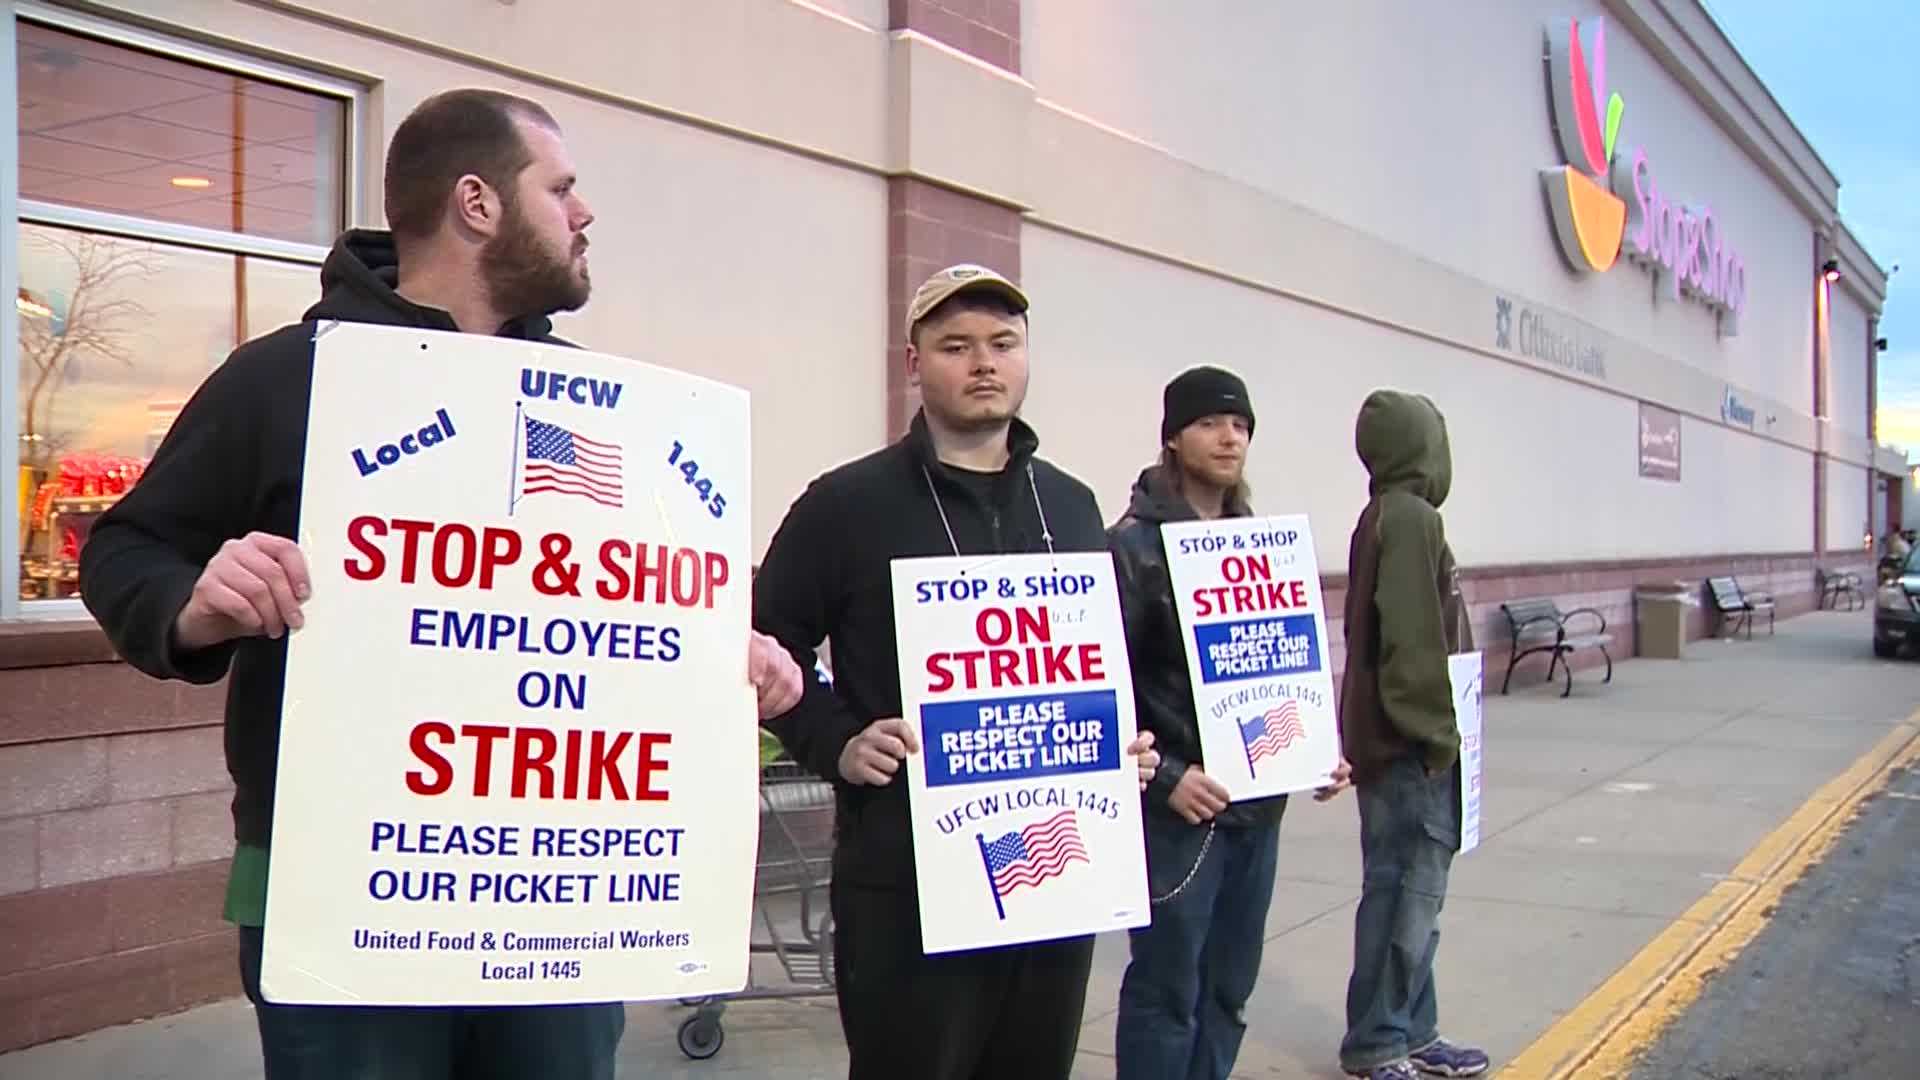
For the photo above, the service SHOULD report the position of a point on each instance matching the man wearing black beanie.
(1210, 864)
(1204, 393)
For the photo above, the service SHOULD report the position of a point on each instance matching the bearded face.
(531, 270)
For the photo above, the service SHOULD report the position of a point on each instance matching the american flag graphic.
(566, 463)
(1031, 855)
(1272, 732)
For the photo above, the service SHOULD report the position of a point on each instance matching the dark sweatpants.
(988, 1014)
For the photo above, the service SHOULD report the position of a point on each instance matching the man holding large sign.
(1212, 830)
(544, 802)
(963, 483)
(196, 574)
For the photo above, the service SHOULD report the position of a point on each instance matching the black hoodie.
(828, 577)
(231, 465)
(1162, 686)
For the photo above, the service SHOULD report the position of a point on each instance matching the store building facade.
(1652, 336)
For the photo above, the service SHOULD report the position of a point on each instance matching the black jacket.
(827, 577)
(231, 465)
(1162, 686)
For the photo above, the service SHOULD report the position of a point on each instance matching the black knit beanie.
(1203, 391)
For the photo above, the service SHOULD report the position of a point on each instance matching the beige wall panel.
(1847, 523)
(1333, 107)
(1535, 455)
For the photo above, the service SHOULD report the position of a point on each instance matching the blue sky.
(1845, 71)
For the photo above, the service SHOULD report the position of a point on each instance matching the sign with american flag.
(1253, 624)
(1024, 799)
(526, 546)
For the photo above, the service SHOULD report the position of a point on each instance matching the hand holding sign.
(1145, 757)
(1198, 797)
(253, 585)
(874, 755)
(776, 679)
(1342, 780)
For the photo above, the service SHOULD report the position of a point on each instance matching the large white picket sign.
(517, 760)
(1255, 629)
(1025, 804)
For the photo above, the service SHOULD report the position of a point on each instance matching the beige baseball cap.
(960, 278)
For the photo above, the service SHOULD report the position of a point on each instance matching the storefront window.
(169, 210)
(108, 128)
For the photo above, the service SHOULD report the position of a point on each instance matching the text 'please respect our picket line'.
(636, 853)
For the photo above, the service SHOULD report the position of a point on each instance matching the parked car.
(1896, 608)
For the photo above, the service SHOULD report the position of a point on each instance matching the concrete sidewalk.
(1607, 816)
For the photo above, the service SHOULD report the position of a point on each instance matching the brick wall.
(928, 229)
(114, 837)
(985, 29)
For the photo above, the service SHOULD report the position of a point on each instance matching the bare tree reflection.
(92, 320)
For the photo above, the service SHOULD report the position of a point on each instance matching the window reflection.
(106, 127)
(115, 334)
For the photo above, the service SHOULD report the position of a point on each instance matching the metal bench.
(1737, 607)
(1838, 585)
(1539, 626)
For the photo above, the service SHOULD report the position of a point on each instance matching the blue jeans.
(1409, 831)
(1183, 1000)
(348, 1042)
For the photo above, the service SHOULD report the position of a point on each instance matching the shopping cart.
(789, 902)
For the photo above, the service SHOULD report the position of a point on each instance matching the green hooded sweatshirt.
(1404, 613)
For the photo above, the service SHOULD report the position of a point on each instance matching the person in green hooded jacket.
(1404, 616)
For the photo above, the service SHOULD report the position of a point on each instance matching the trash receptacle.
(1660, 609)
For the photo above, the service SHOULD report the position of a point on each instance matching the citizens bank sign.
(1546, 338)
(1605, 200)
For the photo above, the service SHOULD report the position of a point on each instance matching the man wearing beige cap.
(964, 480)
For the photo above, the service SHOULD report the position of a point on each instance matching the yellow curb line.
(1599, 1038)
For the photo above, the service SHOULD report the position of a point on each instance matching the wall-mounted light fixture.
(1831, 270)
(1879, 344)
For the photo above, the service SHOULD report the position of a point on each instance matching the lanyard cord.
(1046, 533)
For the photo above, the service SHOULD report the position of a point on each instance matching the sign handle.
(513, 475)
(991, 885)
